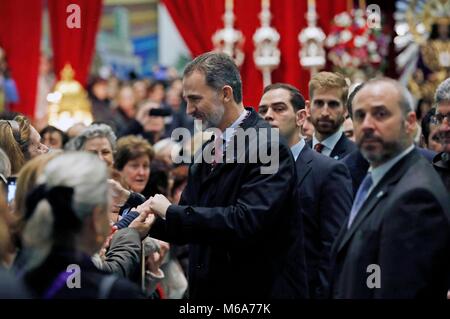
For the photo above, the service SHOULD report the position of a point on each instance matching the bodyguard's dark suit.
(343, 147)
(242, 227)
(325, 196)
(358, 165)
(404, 228)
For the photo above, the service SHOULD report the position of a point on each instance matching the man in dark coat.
(238, 216)
(396, 241)
(323, 188)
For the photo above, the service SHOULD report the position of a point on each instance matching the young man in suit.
(328, 94)
(323, 188)
(238, 217)
(396, 240)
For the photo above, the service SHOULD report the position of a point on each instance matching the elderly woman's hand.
(143, 223)
(155, 259)
(106, 244)
(119, 194)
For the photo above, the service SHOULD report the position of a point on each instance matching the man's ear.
(300, 117)
(308, 108)
(410, 123)
(227, 92)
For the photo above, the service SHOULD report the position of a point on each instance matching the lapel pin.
(336, 157)
(380, 193)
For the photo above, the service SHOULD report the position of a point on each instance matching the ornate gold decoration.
(68, 102)
(415, 43)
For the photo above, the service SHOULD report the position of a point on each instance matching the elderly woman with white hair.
(100, 140)
(66, 223)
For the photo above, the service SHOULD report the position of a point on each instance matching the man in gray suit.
(396, 241)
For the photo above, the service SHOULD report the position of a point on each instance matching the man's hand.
(159, 205)
(119, 194)
(106, 244)
(142, 115)
(143, 223)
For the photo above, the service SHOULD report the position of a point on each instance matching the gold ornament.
(68, 102)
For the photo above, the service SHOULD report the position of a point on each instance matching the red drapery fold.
(197, 20)
(74, 45)
(20, 36)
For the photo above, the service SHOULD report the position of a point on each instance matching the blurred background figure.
(430, 139)
(76, 130)
(100, 101)
(98, 139)
(53, 137)
(126, 107)
(308, 129)
(21, 142)
(348, 129)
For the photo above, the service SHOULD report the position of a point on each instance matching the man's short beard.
(389, 151)
(334, 128)
(213, 119)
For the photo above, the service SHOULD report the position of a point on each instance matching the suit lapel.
(339, 148)
(375, 196)
(379, 192)
(303, 164)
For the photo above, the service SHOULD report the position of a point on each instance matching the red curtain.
(74, 45)
(197, 20)
(20, 36)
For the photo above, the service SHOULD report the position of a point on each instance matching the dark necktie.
(360, 197)
(319, 147)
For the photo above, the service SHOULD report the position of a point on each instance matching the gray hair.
(83, 172)
(5, 164)
(219, 70)
(442, 92)
(92, 131)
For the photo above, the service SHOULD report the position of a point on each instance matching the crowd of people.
(358, 206)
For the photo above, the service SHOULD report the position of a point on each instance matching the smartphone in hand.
(11, 190)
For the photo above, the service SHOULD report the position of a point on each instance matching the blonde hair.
(11, 142)
(329, 80)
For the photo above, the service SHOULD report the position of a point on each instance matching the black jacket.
(44, 279)
(442, 166)
(325, 198)
(358, 165)
(242, 227)
(402, 228)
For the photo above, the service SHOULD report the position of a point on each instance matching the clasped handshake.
(154, 206)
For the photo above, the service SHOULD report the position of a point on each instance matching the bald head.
(404, 98)
(383, 119)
